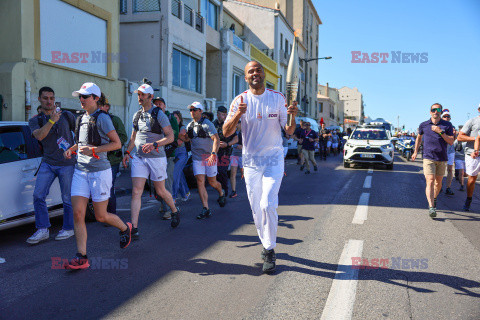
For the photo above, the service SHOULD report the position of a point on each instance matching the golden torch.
(292, 78)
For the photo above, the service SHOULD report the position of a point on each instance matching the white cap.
(197, 104)
(145, 88)
(88, 88)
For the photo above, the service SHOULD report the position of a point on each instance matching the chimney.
(326, 90)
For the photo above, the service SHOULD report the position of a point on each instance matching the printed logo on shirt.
(259, 115)
(272, 115)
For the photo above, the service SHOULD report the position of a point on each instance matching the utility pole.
(398, 123)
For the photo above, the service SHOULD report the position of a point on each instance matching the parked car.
(20, 157)
(369, 145)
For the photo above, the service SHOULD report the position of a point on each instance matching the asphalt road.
(211, 269)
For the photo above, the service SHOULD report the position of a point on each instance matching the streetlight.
(305, 99)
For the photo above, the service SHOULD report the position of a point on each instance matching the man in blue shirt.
(438, 133)
(308, 137)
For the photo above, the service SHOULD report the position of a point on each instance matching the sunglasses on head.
(84, 96)
(436, 110)
(194, 109)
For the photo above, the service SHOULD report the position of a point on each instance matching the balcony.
(190, 17)
(238, 42)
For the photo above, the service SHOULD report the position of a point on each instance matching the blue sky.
(449, 31)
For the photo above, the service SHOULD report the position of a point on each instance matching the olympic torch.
(292, 78)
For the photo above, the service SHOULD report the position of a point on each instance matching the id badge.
(63, 144)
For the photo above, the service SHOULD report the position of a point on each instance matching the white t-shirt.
(261, 127)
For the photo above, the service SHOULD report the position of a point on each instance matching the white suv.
(20, 157)
(369, 145)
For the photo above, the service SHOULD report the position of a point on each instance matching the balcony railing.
(238, 42)
(188, 15)
(177, 8)
(198, 22)
(146, 5)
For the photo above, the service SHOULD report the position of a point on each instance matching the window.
(321, 107)
(269, 85)
(238, 85)
(281, 41)
(187, 71)
(12, 145)
(123, 6)
(280, 83)
(146, 5)
(210, 11)
(286, 47)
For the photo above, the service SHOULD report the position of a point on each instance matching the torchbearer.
(263, 114)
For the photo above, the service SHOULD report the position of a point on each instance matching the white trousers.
(263, 184)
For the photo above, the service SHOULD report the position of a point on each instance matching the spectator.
(309, 137)
(180, 187)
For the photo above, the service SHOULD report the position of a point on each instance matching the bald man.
(263, 114)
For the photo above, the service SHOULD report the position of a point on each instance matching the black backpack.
(154, 124)
(200, 132)
(93, 136)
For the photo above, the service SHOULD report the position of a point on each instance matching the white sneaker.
(64, 234)
(40, 235)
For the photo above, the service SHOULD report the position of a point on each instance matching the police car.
(369, 144)
(20, 157)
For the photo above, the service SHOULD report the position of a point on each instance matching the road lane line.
(144, 208)
(370, 170)
(341, 298)
(362, 209)
(368, 182)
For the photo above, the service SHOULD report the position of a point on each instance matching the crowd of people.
(447, 149)
(85, 153)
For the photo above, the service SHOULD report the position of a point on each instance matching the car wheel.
(346, 164)
(390, 166)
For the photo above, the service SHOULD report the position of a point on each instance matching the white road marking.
(341, 298)
(370, 170)
(368, 182)
(362, 209)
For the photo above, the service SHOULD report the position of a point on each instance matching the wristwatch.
(214, 153)
(442, 132)
(155, 145)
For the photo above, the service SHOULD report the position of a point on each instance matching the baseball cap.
(198, 105)
(159, 99)
(445, 112)
(88, 88)
(145, 88)
(222, 109)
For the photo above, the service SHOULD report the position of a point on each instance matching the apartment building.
(334, 111)
(353, 104)
(47, 48)
(303, 17)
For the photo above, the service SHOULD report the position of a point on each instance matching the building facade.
(302, 17)
(335, 113)
(47, 48)
(353, 104)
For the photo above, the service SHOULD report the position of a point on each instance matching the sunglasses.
(194, 109)
(84, 96)
(436, 110)
(446, 117)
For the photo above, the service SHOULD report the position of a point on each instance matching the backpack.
(93, 136)
(154, 124)
(200, 131)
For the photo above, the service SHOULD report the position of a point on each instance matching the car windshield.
(369, 135)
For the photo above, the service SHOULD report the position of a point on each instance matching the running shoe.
(79, 262)
(432, 212)
(187, 196)
(449, 192)
(167, 215)
(175, 218)
(64, 234)
(206, 213)
(268, 261)
(126, 236)
(233, 194)
(222, 200)
(135, 234)
(466, 206)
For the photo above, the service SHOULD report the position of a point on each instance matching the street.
(352, 243)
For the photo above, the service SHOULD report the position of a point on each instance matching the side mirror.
(345, 137)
